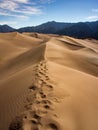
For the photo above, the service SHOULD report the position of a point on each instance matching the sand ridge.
(40, 112)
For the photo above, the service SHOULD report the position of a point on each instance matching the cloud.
(22, 9)
(94, 17)
(28, 10)
(22, 1)
(13, 15)
(18, 8)
(8, 5)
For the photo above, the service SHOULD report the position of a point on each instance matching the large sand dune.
(48, 82)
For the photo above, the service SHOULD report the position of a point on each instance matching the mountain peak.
(5, 28)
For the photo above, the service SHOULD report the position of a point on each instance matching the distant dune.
(48, 82)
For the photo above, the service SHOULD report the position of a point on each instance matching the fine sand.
(48, 82)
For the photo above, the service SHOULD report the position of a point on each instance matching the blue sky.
(20, 13)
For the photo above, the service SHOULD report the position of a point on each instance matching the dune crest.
(40, 112)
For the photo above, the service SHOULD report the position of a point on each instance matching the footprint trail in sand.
(39, 114)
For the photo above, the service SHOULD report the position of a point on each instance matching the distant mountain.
(26, 29)
(93, 25)
(6, 28)
(49, 27)
(77, 30)
(94, 28)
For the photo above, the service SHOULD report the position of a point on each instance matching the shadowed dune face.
(48, 82)
(14, 44)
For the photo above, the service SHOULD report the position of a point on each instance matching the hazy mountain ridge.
(5, 28)
(77, 30)
(49, 27)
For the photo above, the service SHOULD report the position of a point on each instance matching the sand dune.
(22, 61)
(14, 44)
(43, 37)
(48, 82)
(20, 39)
(79, 58)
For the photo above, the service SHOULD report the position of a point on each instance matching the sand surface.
(48, 82)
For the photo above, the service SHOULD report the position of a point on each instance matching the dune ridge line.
(39, 114)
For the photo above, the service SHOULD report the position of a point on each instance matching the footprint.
(41, 73)
(43, 96)
(36, 116)
(46, 102)
(41, 64)
(16, 124)
(52, 126)
(46, 106)
(33, 87)
(34, 121)
(37, 75)
(50, 86)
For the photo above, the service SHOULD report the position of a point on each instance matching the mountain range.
(78, 30)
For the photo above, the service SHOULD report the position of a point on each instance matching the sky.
(21, 13)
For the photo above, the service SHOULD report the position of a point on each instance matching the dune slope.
(48, 83)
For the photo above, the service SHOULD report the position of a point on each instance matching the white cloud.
(22, 8)
(15, 9)
(13, 15)
(22, 1)
(28, 10)
(94, 17)
(8, 5)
